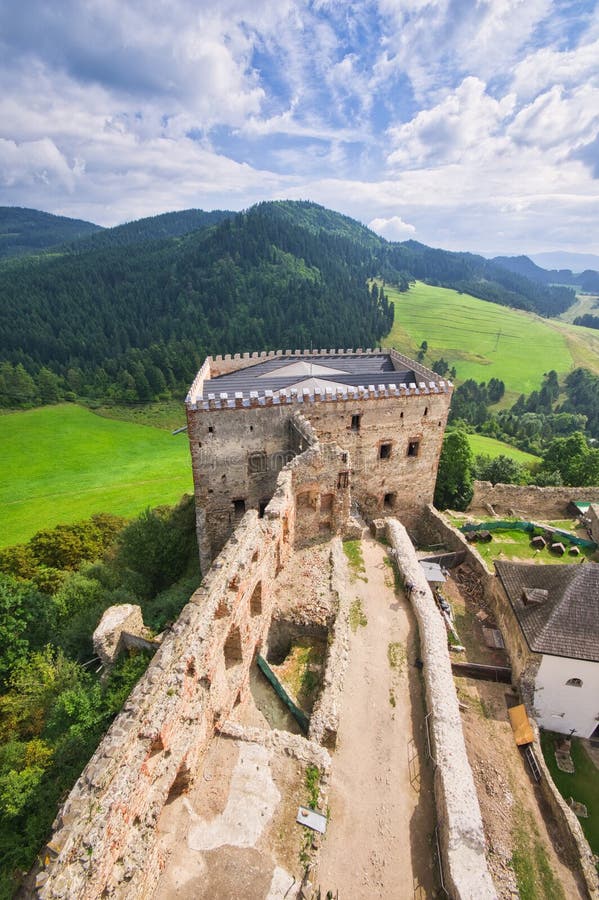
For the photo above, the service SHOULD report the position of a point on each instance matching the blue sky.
(466, 125)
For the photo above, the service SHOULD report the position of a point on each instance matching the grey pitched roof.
(271, 374)
(566, 623)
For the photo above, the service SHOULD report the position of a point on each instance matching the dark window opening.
(385, 451)
(251, 427)
(232, 648)
(239, 507)
(426, 410)
(574, 682)
(199, 445)
(413, 448)
(355, 422)
(344, 457)
(343, 480)
(389, 501)
(401, 415)
(262, 508)
(257, 463)
(256, 601)
(211, 429)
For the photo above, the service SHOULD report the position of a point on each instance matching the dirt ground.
(234, 835)
(378, 842)
(514, 815)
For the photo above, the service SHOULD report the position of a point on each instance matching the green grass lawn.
(507, 545)
(481, 444)
(583, 785)
(63, 463)
(484, 340)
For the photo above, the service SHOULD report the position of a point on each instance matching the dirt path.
(378, 842)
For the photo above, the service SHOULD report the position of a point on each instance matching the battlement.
(277, 378)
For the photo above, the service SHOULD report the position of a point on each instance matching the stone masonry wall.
(104, 837)
(527, 501)
(104, 834)
(399, 480)
(522, 658)
(461, 831)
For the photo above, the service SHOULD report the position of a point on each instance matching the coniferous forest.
(127, 314)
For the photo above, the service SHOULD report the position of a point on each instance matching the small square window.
(413, 448)
(385, 451)
(239, 507)
(355, 422)
(211, 429)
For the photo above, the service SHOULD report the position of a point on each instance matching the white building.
(557, 610)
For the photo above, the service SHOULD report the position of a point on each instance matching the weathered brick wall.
(527, 501)
(105, 832)
(104, 837)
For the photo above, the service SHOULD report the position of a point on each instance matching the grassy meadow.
(484, 340)
(487, 446)
(63, 463)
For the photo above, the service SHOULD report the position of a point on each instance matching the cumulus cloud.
(473, 125)
(394, 228)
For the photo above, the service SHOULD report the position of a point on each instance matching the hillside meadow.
(481, 445)
(63, 463)
(484, 340)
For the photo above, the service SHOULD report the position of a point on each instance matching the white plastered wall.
(564, 707)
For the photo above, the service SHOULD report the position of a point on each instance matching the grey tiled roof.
(567, 623)
(347, 370)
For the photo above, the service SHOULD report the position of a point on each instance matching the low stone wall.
(527, 501)
(324, 722)
(576, 845)
(461, 831)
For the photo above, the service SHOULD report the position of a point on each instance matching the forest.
(54, 706)
(127, 314)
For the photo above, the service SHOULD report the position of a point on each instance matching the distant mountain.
(129, 313)
(153, 228)
(24, 231)
(558, 259)
(587, 281)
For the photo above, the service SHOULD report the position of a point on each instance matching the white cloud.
(394, 228)
(459, 126)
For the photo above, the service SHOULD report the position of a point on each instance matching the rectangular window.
(239, 507)
(413, 448)
(343, 480)
(211, 429)
(355, 422)
(385, 451)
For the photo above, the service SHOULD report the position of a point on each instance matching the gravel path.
(379, 836)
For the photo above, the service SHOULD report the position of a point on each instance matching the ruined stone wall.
(521, 657)
(527, 501)
(461, 833)
(104, 834)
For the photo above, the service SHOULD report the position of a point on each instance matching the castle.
(378, 418)
(288, 449)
